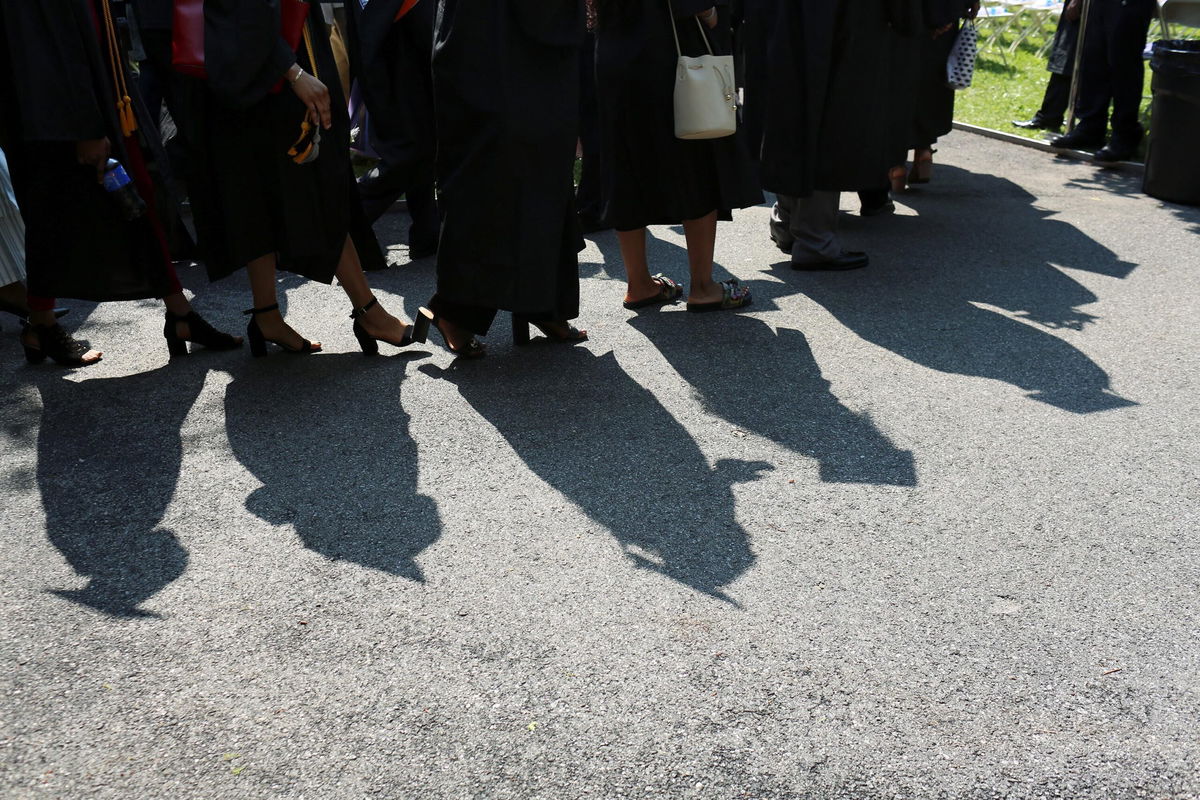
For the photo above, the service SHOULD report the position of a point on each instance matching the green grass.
(1011, 87)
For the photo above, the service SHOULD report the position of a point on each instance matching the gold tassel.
(128, 119)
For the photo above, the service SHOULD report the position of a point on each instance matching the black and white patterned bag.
(960, 66)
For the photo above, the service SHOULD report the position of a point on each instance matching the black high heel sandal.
(55, 343)
(417, 331)
(567, 334)
(258, 342)
(199, 332)
(472, 349)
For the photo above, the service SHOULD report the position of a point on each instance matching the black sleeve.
(244, 53)
(51, 62)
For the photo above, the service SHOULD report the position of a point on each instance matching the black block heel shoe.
(53, 342)
(417, 331)
(560, 332)
(199, 332)
(258, 342)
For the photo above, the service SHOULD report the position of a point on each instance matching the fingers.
(323, 110)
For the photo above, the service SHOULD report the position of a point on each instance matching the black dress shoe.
(1112, 154)
(850, 259)
(1038, 123)
(1078, 140)
(886, 207)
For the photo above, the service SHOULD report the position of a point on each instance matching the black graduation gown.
(391, 62)
(249, 198)
(56, 89)
(506, 90)
(934, 108)
(825, 106)
(650, 176)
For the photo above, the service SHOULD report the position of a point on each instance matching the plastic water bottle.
(120, 188)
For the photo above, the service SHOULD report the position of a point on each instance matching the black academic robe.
(391, 62)
(56, 89)
(933, 111)
(506, 90)
(825, 105)
(249, 198)
(650, 176)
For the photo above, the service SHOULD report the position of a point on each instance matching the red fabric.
(39, 303)
(404, 9)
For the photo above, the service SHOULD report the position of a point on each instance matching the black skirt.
(250, 199)
(651, 177)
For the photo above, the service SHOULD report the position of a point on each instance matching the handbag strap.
(675, 31)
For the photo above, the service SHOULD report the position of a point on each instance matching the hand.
(1073, 9)
(709, 17)
(939, 31)
(94, 153)
(314, 95)
(973, 10)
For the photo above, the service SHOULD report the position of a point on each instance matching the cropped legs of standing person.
(1061, 65)
(1113, 74)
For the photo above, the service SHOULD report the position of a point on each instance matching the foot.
(1078, 140)
(1038, 123)
(561, 331)
(41, 342)
(378, 323)
(1114, 152)
(459, 341)
(886, 207)
(728, 295)
(658, 290)
(184, 331)
(849, 259)
(276, 330)
(922, 166)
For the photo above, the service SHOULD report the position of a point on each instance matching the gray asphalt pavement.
(925, 530)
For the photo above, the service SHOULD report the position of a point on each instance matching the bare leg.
(701, 235)
(377, 321)
(261, 272)
(639, 284)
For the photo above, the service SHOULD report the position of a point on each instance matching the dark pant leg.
(476, 319)
(1056, 99)
(426, 223)
(1095, 78)
(379, 189)
(1126, 42)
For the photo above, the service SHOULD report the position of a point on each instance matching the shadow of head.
(589, 431)
(767, 381)
(341, 471)
(109, 456)
(124, 568)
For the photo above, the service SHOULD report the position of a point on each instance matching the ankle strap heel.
(258, 342)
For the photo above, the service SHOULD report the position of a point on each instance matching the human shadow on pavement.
(978, 241)
(108, 458)
(767, 381)
(606, 443)
(328, 437)
(1111, 181)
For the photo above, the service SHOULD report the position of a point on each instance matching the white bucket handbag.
(705, 92)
